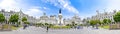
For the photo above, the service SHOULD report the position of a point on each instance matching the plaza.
(58, 25)
(59, 16)
(42, 29)
(39, 30)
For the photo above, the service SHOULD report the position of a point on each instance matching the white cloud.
(64, 4)
(45, 8)
(33, 11)
(67, 5)
(9, 5)
(111, 5)
(16, 5)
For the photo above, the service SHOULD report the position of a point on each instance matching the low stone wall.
(5, 27)
(0, 26)
(114, 26)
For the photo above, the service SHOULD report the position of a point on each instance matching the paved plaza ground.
(39, 30)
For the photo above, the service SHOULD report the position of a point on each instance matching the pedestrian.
(78, 27)
(47, 29)
(24, 27)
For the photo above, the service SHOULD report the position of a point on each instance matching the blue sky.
(83, 8)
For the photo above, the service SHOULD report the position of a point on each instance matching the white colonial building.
(59, 20)
(52, 19)
(45, 19)
(75, 19)
(7, 15)
(101, 16)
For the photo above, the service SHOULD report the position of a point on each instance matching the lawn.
(105, 26)
(15, 28)
(9, 27)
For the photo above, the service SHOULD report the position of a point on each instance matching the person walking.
(47, 29)
(24, 27)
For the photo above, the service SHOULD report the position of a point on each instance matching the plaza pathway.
(39, 30)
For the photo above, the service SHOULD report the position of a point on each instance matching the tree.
(46, 24)
(50, 25)
(2, 18)
(117, 17)
(39, 24)
(14, 18)
(24, 19)
(73, 23)
(68, 24)
(94, 22)
(88, 21)
(109, 21)
(98, 21)
(106, 21)
(26, 22)
(102, 23)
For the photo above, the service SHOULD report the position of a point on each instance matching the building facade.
(7, 15)
(45, 19)
(52, 19)
(105, 15)
(76, 19)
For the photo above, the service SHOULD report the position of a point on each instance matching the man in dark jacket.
(24, 27)
(47, 29)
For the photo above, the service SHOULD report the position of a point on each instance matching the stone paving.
(38, 30)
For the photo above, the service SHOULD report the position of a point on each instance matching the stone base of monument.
(114, 27)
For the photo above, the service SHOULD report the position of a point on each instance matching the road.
(39, 30)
